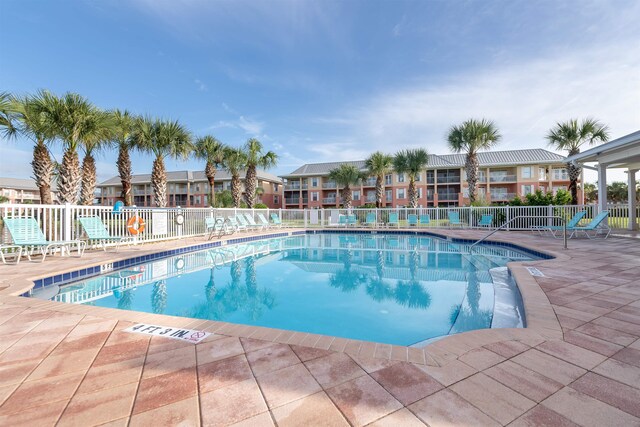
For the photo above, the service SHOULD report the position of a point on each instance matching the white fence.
(60, 222)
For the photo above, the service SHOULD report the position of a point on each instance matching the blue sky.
(328, 80)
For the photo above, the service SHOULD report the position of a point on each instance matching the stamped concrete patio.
(577, 363)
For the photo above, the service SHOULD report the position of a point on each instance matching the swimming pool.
(387, 288)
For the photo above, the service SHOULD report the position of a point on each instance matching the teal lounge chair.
(352, 220)
(554, 229)
(412, 220)
(596, 226)
(96, 232)
(454, 219)
(235, 224)
(217, 225)
(276, 220)
(263, 221)
(371, 219)
(393, 220)
(425, 219)
(252, 222)
(26, 233)
(342, 220)
(486, 221)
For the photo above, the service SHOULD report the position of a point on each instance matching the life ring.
(135, 225)
(179, 264)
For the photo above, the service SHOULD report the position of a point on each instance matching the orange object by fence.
(135, 225)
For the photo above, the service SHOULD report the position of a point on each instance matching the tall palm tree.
(570, 136)
(379, 164)
(345, 176)
(92, 145)
(210, 150)
(235, 160)
(7, 114)
(411, 162)
(256, 158)
(471, 137)
(122, 131)
(162, 138)
(76, 122)
(33, 119)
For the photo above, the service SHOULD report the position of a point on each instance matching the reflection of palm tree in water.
(345, 279)
(126, 299)
(412, 294)
(414, 262)
(159, 297)
(251, 280)
(377, 288)
(470, 316)
(210, 290)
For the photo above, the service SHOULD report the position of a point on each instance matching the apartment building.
(18, 190)
(187, 189)
(502, 176)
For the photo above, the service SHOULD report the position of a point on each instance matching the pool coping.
(541, 319)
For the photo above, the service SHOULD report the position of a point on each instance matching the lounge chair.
(217, 225)
(454, 219)
(276, 220)
(235, 223)
(425, 219)
(263, 221)
(243, 222)
(371, 219)
(486, 221)
(352, 220)
(96, 232)
(342, 220)
(26, 233)
(252, 222)
(412, 220)
(595, 225)
(393, 220)
(553, 229)
(14, 251)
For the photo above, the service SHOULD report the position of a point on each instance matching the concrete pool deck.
(577, 362)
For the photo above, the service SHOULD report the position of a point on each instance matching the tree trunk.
(87, 193)
(471, 167)
(250, 185)
(379, 190)
(236, 190)
(210, 172)
(574, 175)
(159, 182)
(69, 178)
(346, 195)
(42, 171)
(413, 194)
(124, 170)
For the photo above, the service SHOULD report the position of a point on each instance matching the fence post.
(550, 214)
(66, 222)
(508, 215)
(304, 215)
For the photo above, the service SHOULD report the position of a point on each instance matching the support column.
(602, 187)
(633, 224)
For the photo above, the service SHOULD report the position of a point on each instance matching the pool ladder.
(564, 227)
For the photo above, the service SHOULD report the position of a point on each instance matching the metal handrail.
(564, 227)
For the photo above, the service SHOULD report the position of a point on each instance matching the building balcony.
(447, 196)
(296, 186)
(328, 185)
(295, 200)
(329, 201)
(502, 196)
(370, 182)
(502, 178)
(447, 179)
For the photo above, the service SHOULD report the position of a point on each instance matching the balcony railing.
(296, 200)
(447, 196)
(328, 185)
(371, 182)
(329, 200)
(502, 196)
(370, 199)
(447, 179)
(502, 178)
(296, 186)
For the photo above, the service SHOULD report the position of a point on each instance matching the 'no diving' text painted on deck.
(165, 331)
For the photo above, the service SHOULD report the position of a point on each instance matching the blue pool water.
(396, 289)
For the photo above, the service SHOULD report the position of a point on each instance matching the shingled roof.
(491, 158)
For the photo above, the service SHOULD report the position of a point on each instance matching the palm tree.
(346, 175)
(411, 162)
(161, 138)
(210, 150)
(7, 113)
(570, 136)
(123, 129)
(471, 137)
(33, 119)
(235, 160)
(379, 164)
(92, 145)
(256, 158)
(76, 121)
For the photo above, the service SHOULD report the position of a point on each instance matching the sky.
(328, 80)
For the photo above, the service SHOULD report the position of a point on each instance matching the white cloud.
(201, 86)
(249, 126)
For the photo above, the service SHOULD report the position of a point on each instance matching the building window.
(388, 195)
(419, 177)
(315, 196)
(419, 193)
(542, 174)
(276, 200)
(526, 172)
(275, 188)
(198, 200)
(387, 179)
(356, 195)
(314, 182)
(560, 174)
(527, 189)
(400, 177)
(400, 193)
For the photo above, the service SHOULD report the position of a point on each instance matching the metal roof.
(491, 158)
(18, 183)
(623, 152)
(190, 176)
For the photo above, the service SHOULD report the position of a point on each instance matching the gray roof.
(491, 158)
(18, 183)
(190, 176)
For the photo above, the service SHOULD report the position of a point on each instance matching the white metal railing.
(60, 222)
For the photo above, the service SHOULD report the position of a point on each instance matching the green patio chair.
(486, 220)
(26, 233)
(412, 220)
(96, 232)
(454, 219)
(342, 220)
(370, 219)
(393, 220)
(425, 219)
(352, 220)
